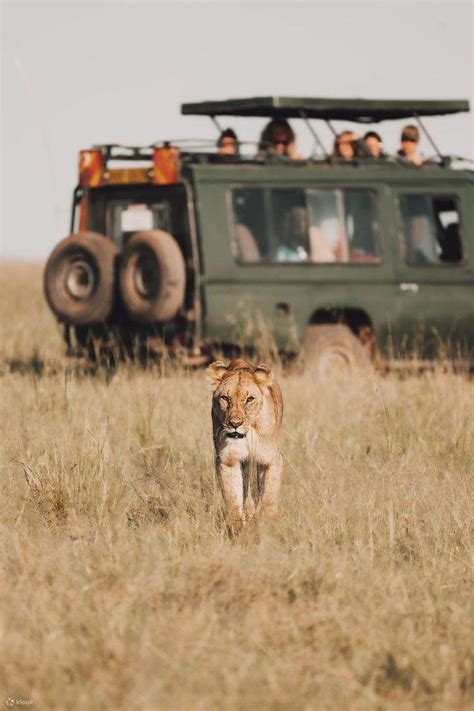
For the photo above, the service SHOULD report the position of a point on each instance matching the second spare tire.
(152, 276)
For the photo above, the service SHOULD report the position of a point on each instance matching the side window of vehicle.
(319, 226)
(249, 239)
(430, 229)
(325, 226)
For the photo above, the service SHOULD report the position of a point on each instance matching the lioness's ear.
(263, 375)
(215, 373)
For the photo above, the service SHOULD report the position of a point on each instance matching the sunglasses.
(410, 139)
(278, 142)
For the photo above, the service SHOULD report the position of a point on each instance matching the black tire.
(332, 349)
(152, 277)
(79, 278)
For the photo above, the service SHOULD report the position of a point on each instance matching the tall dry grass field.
(121, 590)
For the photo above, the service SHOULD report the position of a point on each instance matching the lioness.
(247, 410)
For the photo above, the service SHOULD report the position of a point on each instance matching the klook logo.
(18, 702)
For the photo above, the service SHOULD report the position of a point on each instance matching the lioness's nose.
(235, 423)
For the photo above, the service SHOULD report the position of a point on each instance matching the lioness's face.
(238, 401)
(238, 395)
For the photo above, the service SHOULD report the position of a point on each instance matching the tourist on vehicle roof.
(227, 144)
(278, 138)
(373, 145)
(410, 139)
(346, 145)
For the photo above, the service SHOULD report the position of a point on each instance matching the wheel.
(79, 278)
(332, 349)
(152, 277)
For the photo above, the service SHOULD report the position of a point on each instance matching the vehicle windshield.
(126, 217)
(119, 211)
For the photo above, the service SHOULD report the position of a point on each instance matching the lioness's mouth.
(235, 435)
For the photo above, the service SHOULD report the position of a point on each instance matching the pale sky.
(76, 74)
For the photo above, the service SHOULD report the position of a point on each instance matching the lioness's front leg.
(269, 479)
(232, 487)
(249, 503)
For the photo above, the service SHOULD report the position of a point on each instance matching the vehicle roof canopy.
(358, 110)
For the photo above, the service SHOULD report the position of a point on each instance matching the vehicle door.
(434, 270)
(287, 249)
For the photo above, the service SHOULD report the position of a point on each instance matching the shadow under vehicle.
(172, 247)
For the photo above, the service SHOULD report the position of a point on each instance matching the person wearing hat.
(410, 139)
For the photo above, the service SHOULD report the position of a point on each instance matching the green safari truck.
(175, 247)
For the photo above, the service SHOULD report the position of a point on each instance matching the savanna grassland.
(120, 588)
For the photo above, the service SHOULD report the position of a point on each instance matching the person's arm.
(293, 153)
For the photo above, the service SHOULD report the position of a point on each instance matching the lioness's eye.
(224, 398)
(250, 399)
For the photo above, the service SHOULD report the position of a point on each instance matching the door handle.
(413, 288)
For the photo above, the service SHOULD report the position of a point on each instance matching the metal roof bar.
(331, 127)
(314, 134)
(427, 134)
(216, 124)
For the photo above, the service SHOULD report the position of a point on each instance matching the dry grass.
(120, 589)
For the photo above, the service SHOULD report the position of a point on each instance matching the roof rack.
(358, 110)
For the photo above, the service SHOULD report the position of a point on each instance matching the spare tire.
(152, 276)
(79, 278)
(332, 349)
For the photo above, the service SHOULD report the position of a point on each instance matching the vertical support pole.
(216, 124)
(314, 134)
(331, 127)
(428, 136)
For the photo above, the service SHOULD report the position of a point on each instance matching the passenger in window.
(420, 229)
(227, 144)
(295, 245)
(247, 205)
(322, 251)
(328, 243)
(362, 226)
(327, 233)
(410, 139)
(246, 244)
(373, 145)
(431, 229)
(278, 138)
(346, 145)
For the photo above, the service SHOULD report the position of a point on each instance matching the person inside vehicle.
(227, 144)
(295, 244)
(323, 243)
(278, 138)
(410, 139)
(362, 227)
(346, 145)
(373, 145)
(419, 228)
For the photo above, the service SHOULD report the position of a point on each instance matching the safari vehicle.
(173, 250)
